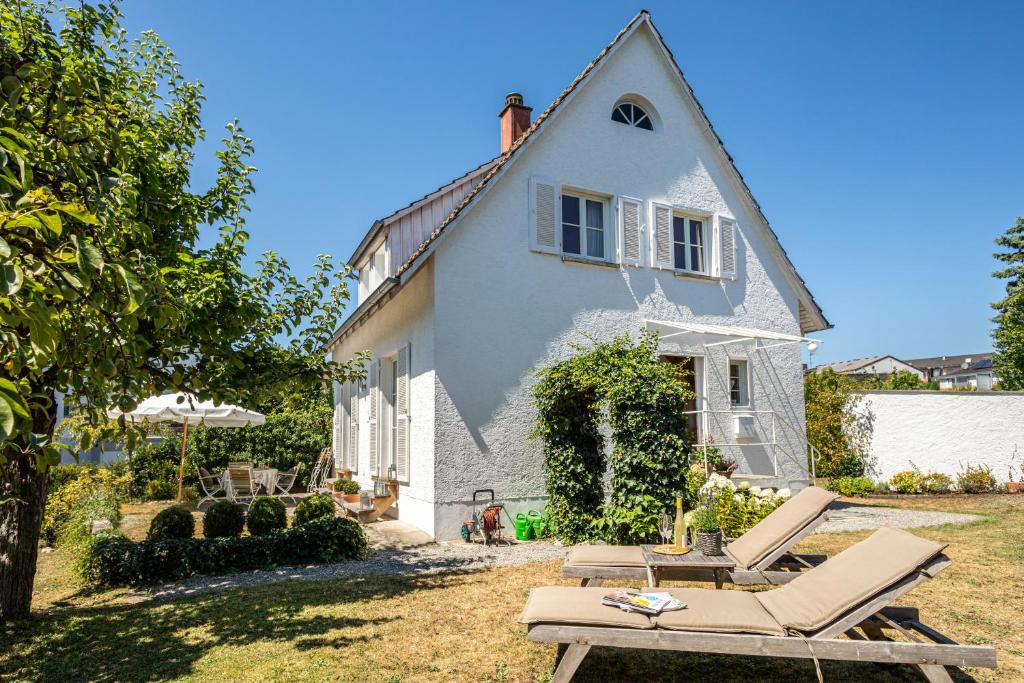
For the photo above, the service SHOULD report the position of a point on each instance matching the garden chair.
(211, 485)
(286, 481)
(804, 618)
(321, 476)
(242, 485)
(763, 555)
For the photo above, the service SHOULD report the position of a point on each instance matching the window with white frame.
(583, 225)
(632, 115)
(689, 244)
(739, 383)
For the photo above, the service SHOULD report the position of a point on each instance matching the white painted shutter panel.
(545, 209)
(353, 430)
(661, 252)
(631, 231)
(402, 446)
(373, 418)
(727, 248)
(338, 431)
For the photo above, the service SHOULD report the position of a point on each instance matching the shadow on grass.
(162, 641)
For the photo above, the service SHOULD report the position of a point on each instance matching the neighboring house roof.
(847, 367)
(950, 361)
(812, 318)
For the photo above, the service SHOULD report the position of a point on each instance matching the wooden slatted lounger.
(803, 618)
(763, 555)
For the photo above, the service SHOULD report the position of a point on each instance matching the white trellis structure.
(709, 336)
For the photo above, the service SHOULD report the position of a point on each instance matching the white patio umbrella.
(184, 409)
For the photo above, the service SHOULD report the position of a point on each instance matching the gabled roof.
(851, 366)
(949, 361)
(810, 310)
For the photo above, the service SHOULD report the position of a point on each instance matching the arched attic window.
(632, 115)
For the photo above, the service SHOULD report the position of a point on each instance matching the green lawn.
(463, 627)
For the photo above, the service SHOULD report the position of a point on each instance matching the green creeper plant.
(119, 277)
(644, 400)
(837, 424)
(1008, 337)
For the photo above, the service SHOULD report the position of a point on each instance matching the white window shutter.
(631, 231)
(402, 446)
(338, 425)
(661, 251)
(373, 417)
(545, 211)
(353, 429)
(727, 248)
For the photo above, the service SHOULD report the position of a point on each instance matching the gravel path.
(430, 558)
(853, 517)
(436, 558)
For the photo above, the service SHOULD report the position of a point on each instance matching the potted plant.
(707, 530)
(346, 490)
(716, 461)
(1015, 484)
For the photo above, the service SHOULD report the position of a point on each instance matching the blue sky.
(882, 139)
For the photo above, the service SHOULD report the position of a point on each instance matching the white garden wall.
(943, 431)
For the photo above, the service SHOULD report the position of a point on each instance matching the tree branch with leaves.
(107, 292)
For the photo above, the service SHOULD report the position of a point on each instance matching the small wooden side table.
(693, 560)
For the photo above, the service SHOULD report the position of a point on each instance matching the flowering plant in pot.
(347, 490)
(707, 529)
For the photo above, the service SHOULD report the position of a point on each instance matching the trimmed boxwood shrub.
(114, 560)
(223, 519)
(851, 486)
(346, 486)
(313, 507)
(266, 515)
(174, 522)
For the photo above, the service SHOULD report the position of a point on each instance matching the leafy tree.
(1009, 332)
(837, 425)
(904, 380)
(107, 292)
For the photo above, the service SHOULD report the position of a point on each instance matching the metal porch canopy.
(707, 334)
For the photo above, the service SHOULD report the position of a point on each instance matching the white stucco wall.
(944, 431)
(501, 310)
(406, 319)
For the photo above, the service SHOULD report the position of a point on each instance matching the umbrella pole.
(181, 465)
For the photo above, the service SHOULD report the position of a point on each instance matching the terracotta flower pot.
(1015, 487)
(351, 498)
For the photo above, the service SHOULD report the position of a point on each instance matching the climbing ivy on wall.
(643, 400)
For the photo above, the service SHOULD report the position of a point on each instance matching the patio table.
(693, 560)
(267, 477)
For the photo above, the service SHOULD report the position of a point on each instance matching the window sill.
(690, 275)
(584, 261)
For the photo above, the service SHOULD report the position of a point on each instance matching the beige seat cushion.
(774, 530)
(721, 611)
(820, 596)
(605, 556)
(579, 607)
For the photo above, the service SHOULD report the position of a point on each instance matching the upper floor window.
(632, 115)
(689, 250)
(583, 226)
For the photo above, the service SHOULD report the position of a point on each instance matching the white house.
(872, 366)
(616, 210)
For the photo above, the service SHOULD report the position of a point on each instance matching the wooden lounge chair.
(803, 618)
(241, 483)
(763, 555)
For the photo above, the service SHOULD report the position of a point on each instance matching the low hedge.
(114, 560)
(851, 486)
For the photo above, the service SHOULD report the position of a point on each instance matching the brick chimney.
(515, 119)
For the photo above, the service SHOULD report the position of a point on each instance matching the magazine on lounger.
(644, 603)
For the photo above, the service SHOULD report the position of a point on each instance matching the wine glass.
(666, 526)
